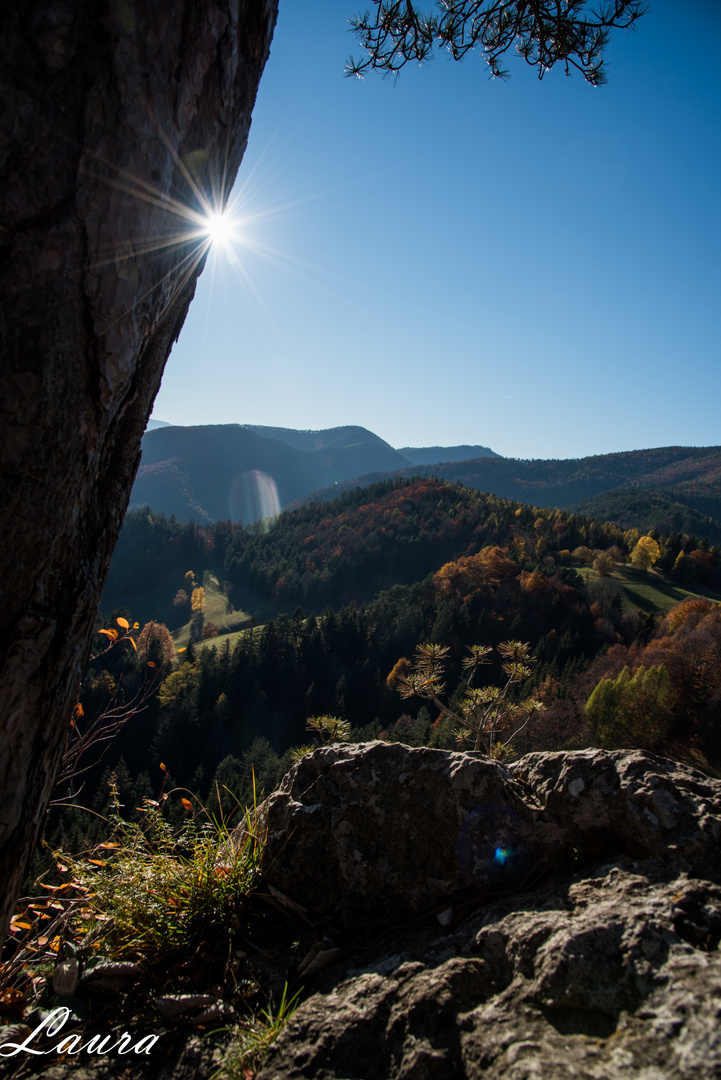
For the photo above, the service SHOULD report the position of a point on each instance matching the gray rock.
(606, 967)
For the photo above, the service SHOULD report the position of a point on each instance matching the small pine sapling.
(330, 729)
(486, 712)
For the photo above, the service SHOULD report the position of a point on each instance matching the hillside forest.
(218, 642)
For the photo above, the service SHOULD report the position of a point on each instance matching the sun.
(219, 229)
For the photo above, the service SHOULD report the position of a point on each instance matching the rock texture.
(607, 966)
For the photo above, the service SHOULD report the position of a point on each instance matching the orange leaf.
(17, 924)
(163, 767)
(123, 622)
(79, 711)
(151, 664)
(108, 844)
(183, 649)
(12, 1000)
(187, 804)
(112, 634)
(133, 644)
(98, 862)
(61, 868)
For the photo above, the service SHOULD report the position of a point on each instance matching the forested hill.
(372, 538)
(678, 476)
(247, 472)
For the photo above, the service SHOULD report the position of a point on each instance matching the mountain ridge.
(246, 472)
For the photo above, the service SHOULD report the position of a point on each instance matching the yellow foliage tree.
(645, 553)
(197, 600)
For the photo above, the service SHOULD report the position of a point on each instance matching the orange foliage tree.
(470, 573)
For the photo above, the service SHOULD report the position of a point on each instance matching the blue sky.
(530, 266)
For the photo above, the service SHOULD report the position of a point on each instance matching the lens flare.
(254, 497)
(490, 845)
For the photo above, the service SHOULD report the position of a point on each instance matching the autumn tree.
(684, 568)
(469, 573)
(401, 668)
(197, 607)
(645, 553)
(156, 644)
(122, 128)
(181, 603)
(544, 33)
(603, 564)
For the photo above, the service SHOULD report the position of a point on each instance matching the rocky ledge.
(558, 918)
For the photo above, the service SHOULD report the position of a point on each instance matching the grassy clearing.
(231, 623)
(217, 610)
(223, 639)
(648, 590)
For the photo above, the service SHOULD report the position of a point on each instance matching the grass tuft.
(253, 1040)
(149, 888)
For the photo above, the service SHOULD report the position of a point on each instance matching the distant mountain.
(687, 476)
(246, 472)
(153, 424)
(433, 455)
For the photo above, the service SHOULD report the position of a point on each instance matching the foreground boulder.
(379, 832)
(580, 893)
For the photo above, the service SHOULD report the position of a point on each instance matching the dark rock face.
(119, 121)
(607, 966)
